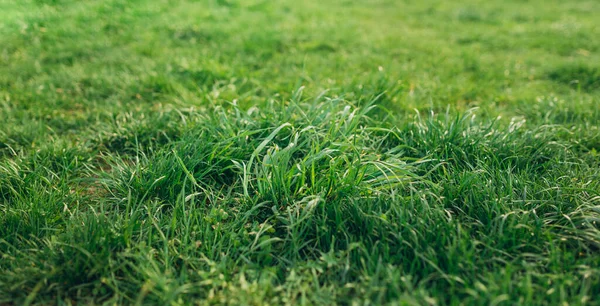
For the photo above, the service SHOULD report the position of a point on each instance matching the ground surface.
(311, 152)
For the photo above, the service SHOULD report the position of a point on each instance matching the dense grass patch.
(309, 201)
(379, 152)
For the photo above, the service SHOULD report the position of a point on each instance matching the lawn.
(253, 152)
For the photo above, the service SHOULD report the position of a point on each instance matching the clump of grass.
(322, 202)
(37, 193)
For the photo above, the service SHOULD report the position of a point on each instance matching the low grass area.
(259, 152)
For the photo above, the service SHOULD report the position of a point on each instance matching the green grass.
(299, 152)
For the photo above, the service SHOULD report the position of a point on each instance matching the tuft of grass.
(265, 201)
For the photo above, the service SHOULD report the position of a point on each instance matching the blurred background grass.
(75, 60)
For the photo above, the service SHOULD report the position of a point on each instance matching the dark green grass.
(339, 152)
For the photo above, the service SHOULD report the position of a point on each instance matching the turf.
(299, 152)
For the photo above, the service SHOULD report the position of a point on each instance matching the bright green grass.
(299, 152)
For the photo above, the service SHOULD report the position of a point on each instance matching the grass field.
(259, 152)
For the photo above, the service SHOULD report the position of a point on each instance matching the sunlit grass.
(335, 152)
